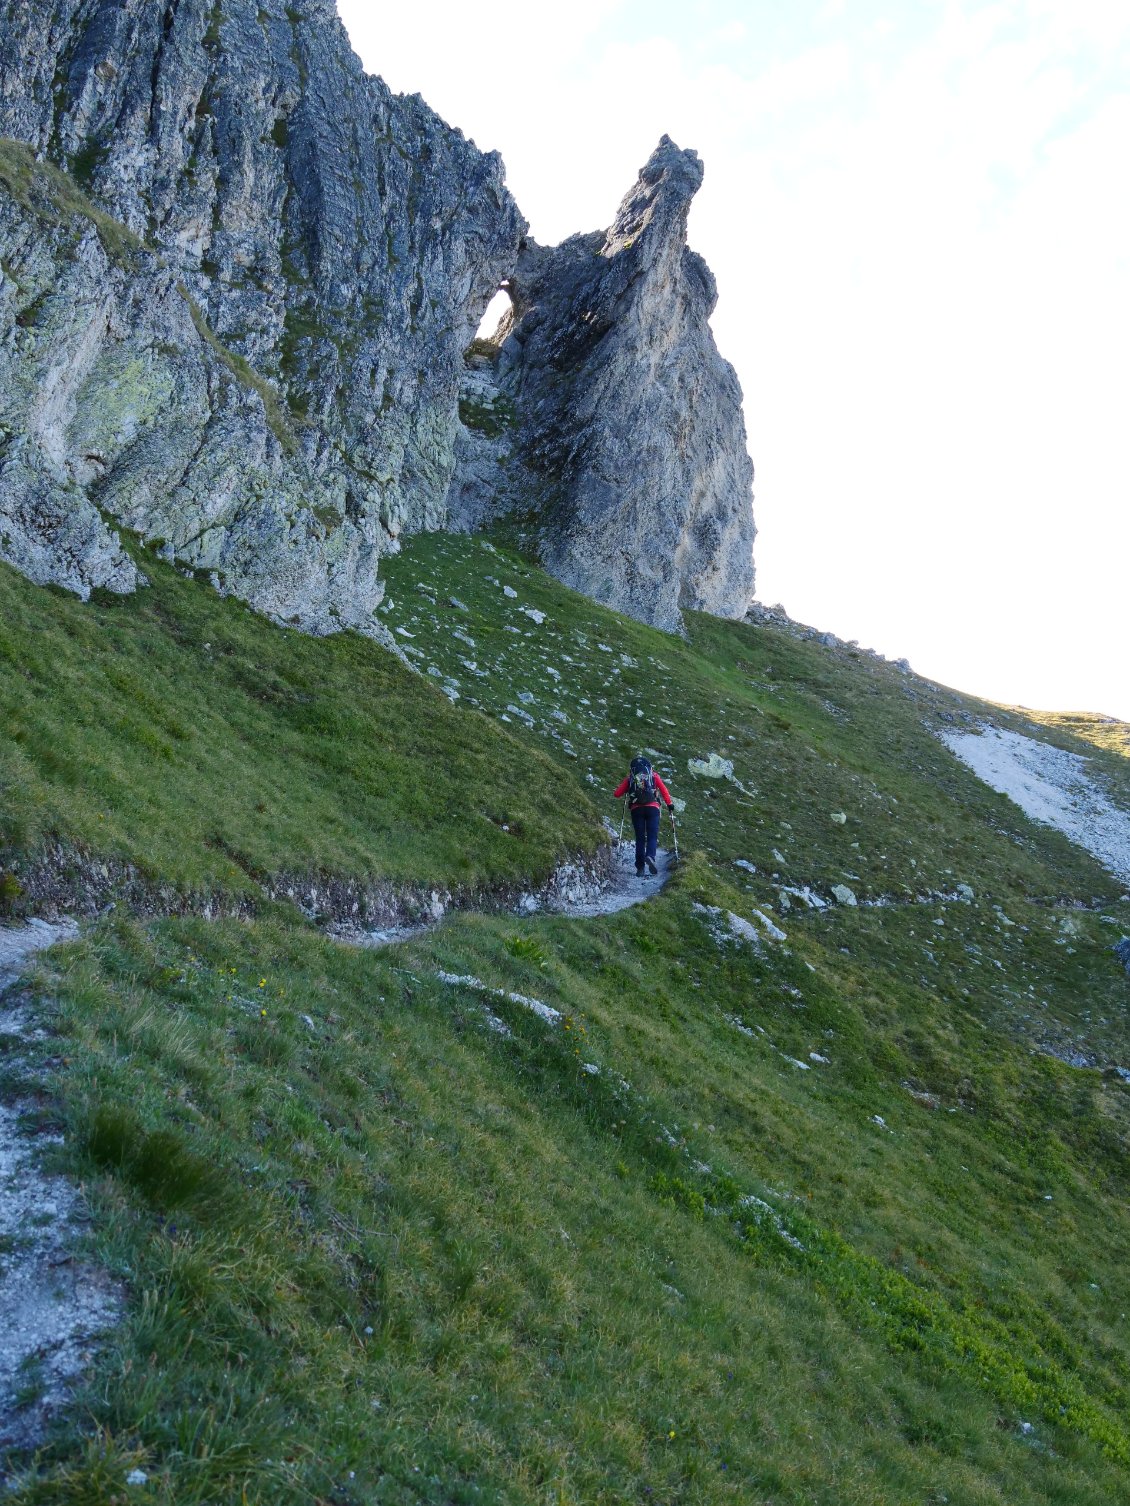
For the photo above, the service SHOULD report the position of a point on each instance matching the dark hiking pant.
(646, 823)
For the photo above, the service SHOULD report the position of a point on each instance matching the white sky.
(918, 218)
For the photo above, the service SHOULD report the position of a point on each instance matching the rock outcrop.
(260, 369)
(238, 278)
(629, 422)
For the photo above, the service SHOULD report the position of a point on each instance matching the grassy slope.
(1105, 732)
(181, 733)
(381, 1252)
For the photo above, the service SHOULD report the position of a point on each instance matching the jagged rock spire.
(631, 422)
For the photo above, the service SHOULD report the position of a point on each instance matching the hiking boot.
(651, 865)
(639, 873)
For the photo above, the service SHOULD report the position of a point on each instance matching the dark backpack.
(641, 783)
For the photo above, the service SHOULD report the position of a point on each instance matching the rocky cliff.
(630, 423)
(237, 280)
(263, 373)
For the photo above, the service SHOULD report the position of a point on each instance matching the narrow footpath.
(52, 1306)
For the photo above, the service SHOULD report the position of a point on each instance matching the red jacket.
(644, 805)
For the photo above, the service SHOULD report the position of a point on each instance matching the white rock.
(772, 930)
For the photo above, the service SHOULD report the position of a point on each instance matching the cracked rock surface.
(239, 281)
(630, 422)
(234, 300)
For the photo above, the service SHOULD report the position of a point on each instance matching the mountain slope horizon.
(360, 1141)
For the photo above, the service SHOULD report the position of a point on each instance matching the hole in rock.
(497, 310)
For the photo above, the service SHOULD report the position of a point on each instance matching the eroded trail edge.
(53, 1306)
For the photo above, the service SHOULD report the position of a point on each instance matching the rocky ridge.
(238, 277)
(630, 422)
(260, 371)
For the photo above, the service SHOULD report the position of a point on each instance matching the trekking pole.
(674, 834)
(623, 813)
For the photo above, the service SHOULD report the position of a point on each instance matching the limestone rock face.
(263, 373)
(629, 421)
(238, 281)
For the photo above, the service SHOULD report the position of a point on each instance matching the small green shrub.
(527, 949)
(10, 891)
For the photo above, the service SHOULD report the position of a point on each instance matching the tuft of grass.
(491, 419)
(245, 374)
(10, 891)
(527, 949)
(45, 190)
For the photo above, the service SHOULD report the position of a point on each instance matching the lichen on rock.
(238, 278)
(266, 378)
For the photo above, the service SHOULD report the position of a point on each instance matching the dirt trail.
(52, 1306)
(624, 888)
(620, 890)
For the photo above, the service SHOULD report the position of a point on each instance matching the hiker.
(643, 788)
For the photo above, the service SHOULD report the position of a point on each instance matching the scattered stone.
(844, 895)
(713, 766)
(839, 817)
(807, 896)
(773, 931)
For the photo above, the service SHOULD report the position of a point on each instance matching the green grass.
(491, 419)
(1106, 732)
(828, 1224)
(182, 734)
(811, 732)
(52, 196)
(245, 374)
(378, 1251)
